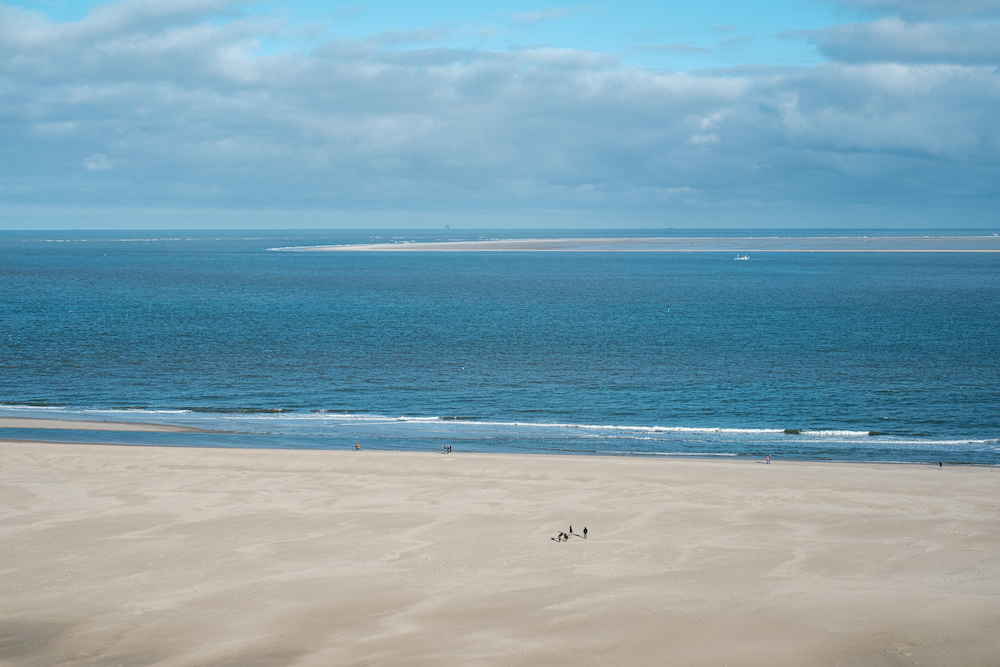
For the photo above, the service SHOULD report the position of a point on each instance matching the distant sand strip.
(183, 557)
(85, 425)
(671, 244)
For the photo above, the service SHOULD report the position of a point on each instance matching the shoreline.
(665, 457)
(164, 555)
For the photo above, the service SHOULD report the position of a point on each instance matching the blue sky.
(678, 35)
(208, 113)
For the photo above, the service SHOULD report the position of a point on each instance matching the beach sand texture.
(167, 556)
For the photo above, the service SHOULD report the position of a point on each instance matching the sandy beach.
(116, 555)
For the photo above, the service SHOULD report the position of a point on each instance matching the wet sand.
(85, 425)
(116, 555)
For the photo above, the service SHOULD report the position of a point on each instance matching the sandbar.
(134, 555)
(89, 425)
(743, 244)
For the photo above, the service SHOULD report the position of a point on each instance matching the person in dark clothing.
(584, 532)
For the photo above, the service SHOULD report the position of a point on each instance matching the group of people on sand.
(447, 449)
(564, 537)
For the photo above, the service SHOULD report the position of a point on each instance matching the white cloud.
(530, 18)
(392, 37)
(203, 119)
(97, 162)
(928, 9)
(894, 40)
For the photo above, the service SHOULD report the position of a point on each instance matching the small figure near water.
(768, 459)
(357, 446)
(940, 464)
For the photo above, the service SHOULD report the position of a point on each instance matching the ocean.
(843, 356)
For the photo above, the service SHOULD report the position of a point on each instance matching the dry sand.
(167, 556)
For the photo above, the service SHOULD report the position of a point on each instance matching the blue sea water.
(819, 356)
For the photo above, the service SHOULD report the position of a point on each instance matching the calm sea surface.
(824, 356)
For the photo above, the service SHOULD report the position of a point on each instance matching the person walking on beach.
(357, 446)
(584, 532)
(768, 459)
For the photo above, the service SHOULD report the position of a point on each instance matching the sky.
(157, 114)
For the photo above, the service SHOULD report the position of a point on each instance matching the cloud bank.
(894, 40)
(161, 104)
(929, 9)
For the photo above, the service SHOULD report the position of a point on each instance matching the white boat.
(742, 257)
